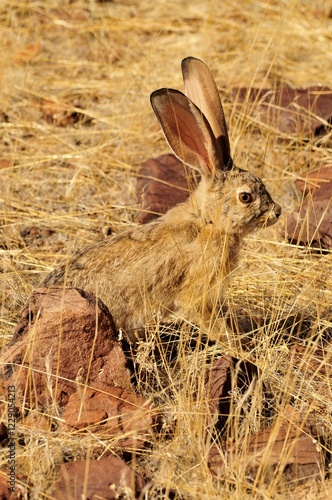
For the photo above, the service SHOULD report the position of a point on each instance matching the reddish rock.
(318, 182)
(5, 163)
(37, 421)
(287, 445)
(296, 112)
(162, 183)
(57, 348)
(4, 492)
(19, 491)
(119, 413)
(311, 222)
(216, 378)
(108, 478)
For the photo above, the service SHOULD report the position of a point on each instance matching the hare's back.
(134, 274)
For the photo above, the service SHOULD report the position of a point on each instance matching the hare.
(179, 265)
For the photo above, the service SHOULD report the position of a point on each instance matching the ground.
(75, 125)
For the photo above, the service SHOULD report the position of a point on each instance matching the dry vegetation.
(75, 124)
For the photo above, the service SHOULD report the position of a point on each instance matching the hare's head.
(195, 128)
(239, 201)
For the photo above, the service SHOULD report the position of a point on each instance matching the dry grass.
(103, 59)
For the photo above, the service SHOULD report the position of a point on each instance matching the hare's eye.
(245, 197)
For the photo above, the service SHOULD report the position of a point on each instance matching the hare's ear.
(201, 89)
(186, 130)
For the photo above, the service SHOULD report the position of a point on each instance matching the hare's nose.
(277, 210)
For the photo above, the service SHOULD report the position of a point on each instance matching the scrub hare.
(178, 265)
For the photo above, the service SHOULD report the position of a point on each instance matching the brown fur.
(180, 264)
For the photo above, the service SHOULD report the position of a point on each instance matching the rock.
(286, 446)
(5, 494)
(162, 183)
(19, 488)
(108, 478)
(5, 163)
(311, 225)
(120, 414)
(57, 348)
(299, 113)
(311, 222)
(37, 421)
(318, 182)
(216, 384)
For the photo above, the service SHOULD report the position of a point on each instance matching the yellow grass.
(103, 60)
